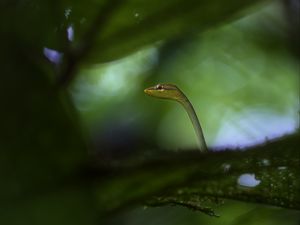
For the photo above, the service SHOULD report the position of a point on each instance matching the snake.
(172, 92)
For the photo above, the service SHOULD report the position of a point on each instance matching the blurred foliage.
(47, 161)
(234, 69)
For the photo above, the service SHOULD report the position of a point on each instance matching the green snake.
(172, 92)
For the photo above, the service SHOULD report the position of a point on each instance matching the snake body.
(172, 92)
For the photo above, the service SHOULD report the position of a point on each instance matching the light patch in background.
(226, 167)
(53, 56)
(68, 12)
(254, 126)
(70, 33)
(248, 180)
(112, 81)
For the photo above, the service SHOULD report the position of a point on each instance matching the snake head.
(166, 91)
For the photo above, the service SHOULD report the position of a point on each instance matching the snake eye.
(159, 87)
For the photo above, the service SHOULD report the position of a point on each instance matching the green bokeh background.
(238, 62)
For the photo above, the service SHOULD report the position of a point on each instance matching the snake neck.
(195, 121)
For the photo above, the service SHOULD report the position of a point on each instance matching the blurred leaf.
(139, 23)
(121, 27)
(40, 140)
(33, 25)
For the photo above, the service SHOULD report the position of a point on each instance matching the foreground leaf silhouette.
(188, 178)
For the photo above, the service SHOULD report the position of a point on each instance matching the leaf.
(113, 29)
(137, 23)
(41, 148)
(196, 203)
(188, 178)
